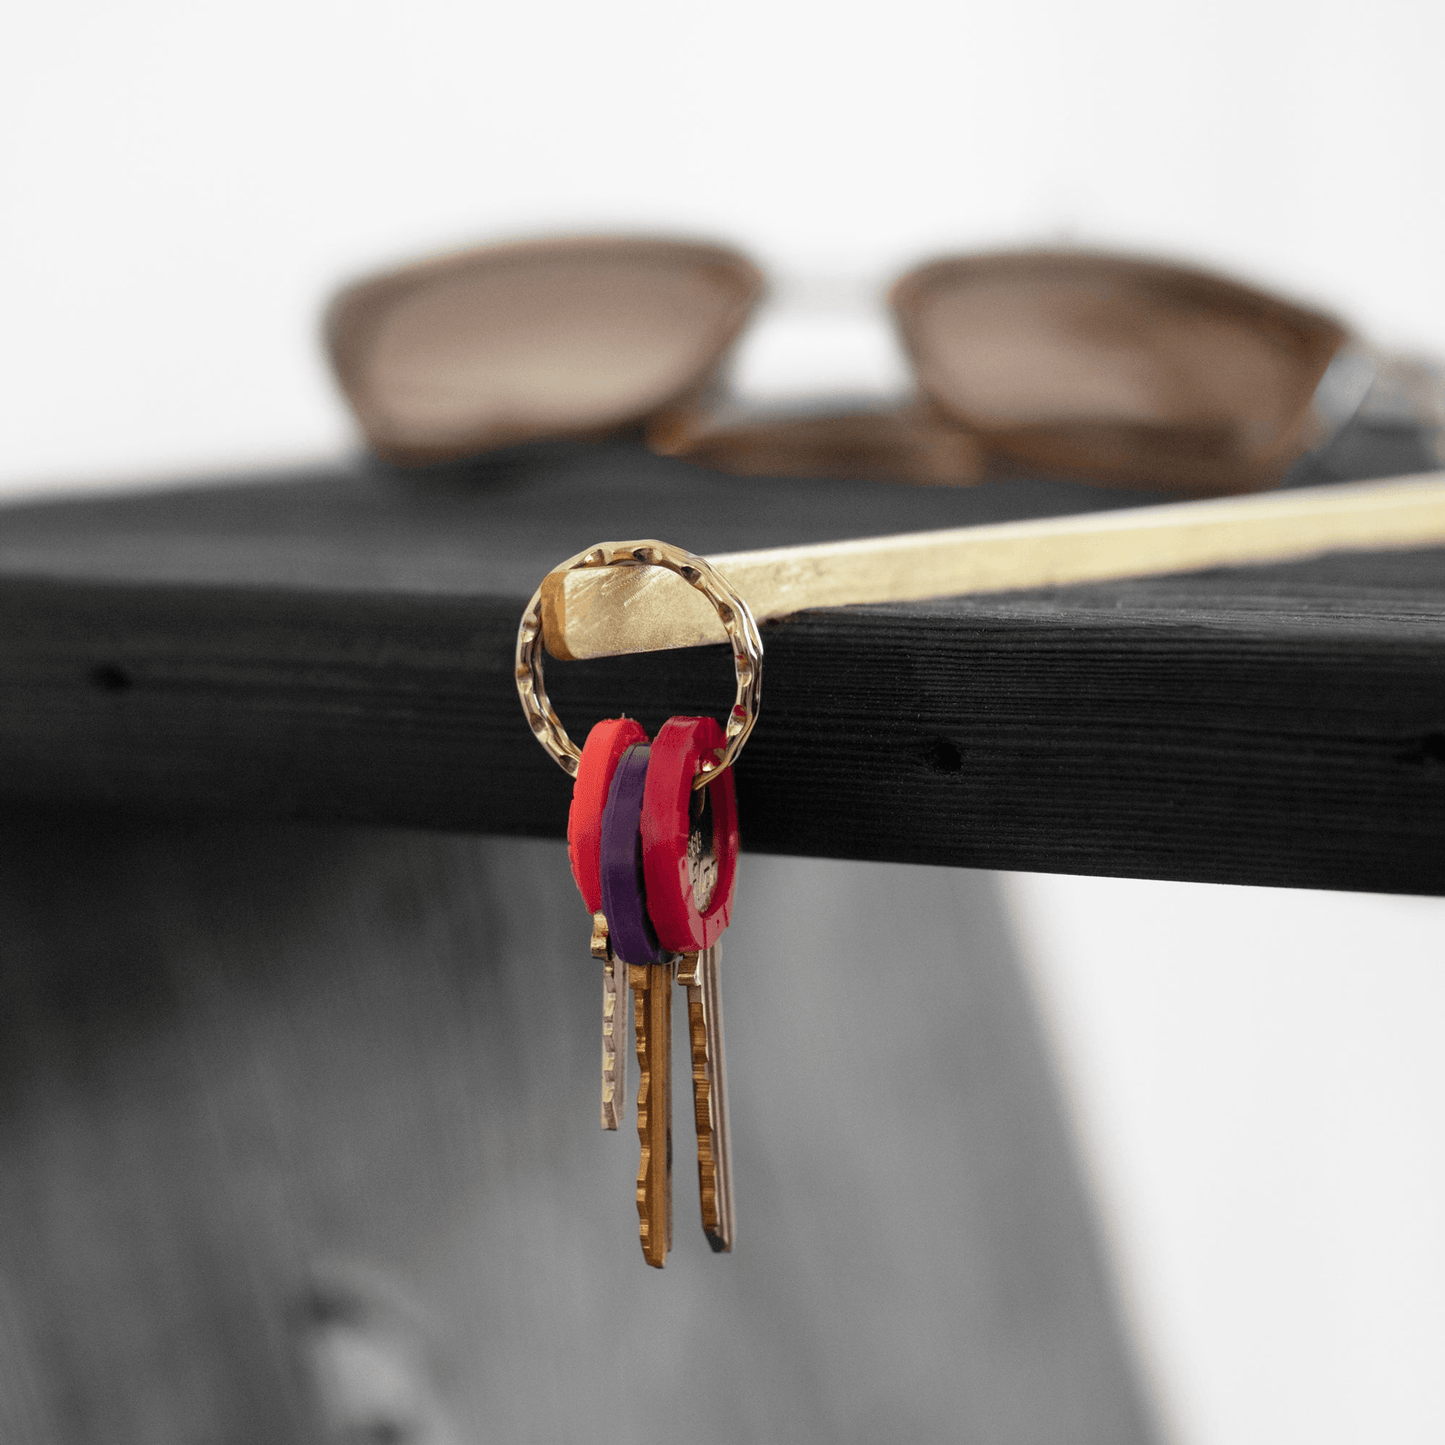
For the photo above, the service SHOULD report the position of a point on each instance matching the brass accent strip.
(605, 612)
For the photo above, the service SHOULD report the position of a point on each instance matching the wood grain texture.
(338, 648)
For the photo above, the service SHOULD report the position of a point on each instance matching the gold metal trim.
(586, 618)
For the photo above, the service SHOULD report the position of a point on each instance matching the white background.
(1256, 1074)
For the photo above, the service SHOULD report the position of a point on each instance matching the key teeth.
(644, 1103)
(614, 1028)
(651, 1002)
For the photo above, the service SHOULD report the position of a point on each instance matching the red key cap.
(601, 754)
(689, 839)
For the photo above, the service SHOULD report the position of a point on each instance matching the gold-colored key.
(652, 1021)
(699, 973)
(614, 1025)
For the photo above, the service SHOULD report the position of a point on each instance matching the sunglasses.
(1102, 367)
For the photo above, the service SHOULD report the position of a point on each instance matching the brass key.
(652, 1022)
(614, 1026)
(699, 973)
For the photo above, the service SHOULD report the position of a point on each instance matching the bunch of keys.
(653, 840)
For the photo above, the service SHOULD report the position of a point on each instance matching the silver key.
(699, 973)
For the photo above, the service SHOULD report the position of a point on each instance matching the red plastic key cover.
(601, 753)
(680, 745)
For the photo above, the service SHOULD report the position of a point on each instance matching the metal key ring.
(732, 610)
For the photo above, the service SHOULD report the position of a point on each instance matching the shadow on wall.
(320, 1109)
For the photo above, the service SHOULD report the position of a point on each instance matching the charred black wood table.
(336, 646)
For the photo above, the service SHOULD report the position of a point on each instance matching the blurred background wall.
(1256, 1074)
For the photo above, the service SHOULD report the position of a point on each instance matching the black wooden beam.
(337, 646)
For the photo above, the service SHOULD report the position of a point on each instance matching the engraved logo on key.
(701, 853)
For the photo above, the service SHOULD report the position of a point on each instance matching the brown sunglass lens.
(551, 340)
(1128, 371)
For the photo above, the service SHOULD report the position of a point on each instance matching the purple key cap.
(623, 900)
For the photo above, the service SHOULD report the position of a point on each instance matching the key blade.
(652, 1022)
(614, 1027)
(699, 972)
